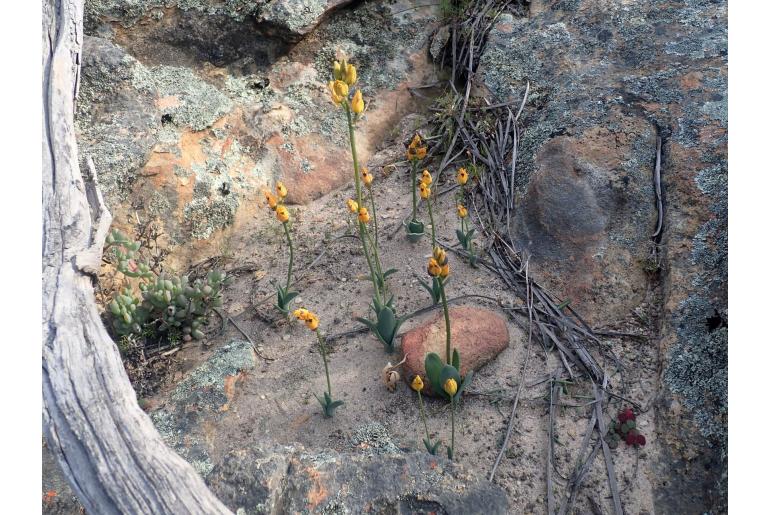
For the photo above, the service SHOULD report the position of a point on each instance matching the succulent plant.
(386, 325)
(166, 302)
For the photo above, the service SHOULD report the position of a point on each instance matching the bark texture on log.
(105, 444)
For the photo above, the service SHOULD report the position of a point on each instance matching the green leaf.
(466, 382)
(456, 359)
(449, 452)
(386, 324)
(389, 272)
(469, 234)
(460, 237)
(433, 366)
(369, 324)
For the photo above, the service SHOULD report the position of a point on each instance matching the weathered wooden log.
(105, 444)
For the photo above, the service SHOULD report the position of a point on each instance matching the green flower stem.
(422, 415)
(291, 253)
(432, 224)
(326, 364)
(377, 264)
(361, 225)
(414, 190)
(446, 322)
(453, 427)
(374, 216)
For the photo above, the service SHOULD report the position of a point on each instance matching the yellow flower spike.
(434, 269)
(424, 191)
(281, 190)
(417, 383)
(462, 212)
(301, 313)
(270, 198)
(462, 176)
(445, 271)
(416, 140)
(366, 176)
(352, 206)
(415, 150)
(450, 387)
(282, 214)
(363, 215)
(351, 75)
(339, 91)
(426, 177)
(358, 102)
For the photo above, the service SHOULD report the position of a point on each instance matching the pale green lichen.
(198, 103)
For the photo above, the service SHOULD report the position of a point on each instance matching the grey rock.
(606, 77)
(294, 480)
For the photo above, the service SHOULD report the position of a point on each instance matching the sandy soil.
(275, 401)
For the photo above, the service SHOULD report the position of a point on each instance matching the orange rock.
(478, 334)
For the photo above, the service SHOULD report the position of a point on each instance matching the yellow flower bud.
(282, 214)
(351, 76)
(353, 206)
(363, 215)
(462, 176)
(417, 383)
(366, 176)
(424, 191)
(462, 212)
(450, 387)
(337, 71)
(339, 91)
(439, 255)
(434, 269)
(271, 200)
(281, 190)
(445, 271)
(358, 102)
(426, 177)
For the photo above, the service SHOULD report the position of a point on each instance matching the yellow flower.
(271, 200)
(439, 255)
(417, 383)
(450, 387)
(353, 206)
(366, 176)
(282, 214)
(363, 215)
(445, 271)
(416, 151)
(434, 269)
(462, 176)
(312, 322)
(339, 91)
(281, 190)
(351, 76)
(358, 102)
(424, 190)
(462, 212)
(426, 177)
(337, 71)
(301, 313)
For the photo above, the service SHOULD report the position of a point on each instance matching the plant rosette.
(439, 372)
(386, 324)
(415, 230)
